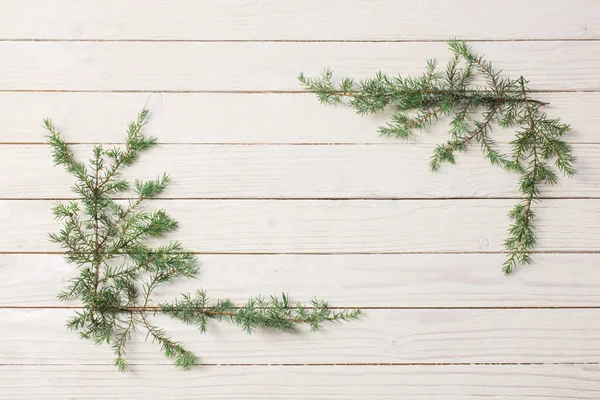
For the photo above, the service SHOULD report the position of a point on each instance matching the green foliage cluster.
(537, 149)
(118, 271)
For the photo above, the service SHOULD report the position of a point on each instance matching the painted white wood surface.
(365, 280)
(447, 382)
(320, 172)
(234, 118)
(278, 192)
(404, 336)
(333, 226)
(270, 66)
(307, 20)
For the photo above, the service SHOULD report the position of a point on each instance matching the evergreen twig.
(119, 272)
(417, 101)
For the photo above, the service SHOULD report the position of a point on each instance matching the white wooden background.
(277, 192)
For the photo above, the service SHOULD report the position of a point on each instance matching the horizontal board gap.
(134, 40)
(442, 364)
(295, 253)
(308, 144)
(29, 307)
(312, 198)
(232, 91)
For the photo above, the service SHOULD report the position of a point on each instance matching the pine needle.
(119, 272)
(537, 149)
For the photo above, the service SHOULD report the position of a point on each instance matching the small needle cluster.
(537, 150)
(107, 240)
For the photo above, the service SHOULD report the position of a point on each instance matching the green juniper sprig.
(118, 272)
(418, 101)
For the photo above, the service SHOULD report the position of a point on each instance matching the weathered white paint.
(234, 128)
(406, 336)
(333, 226)
(306, 20)
(414, 382)
(238, 118)
(270, 66)
(376, 171)
(365, 280)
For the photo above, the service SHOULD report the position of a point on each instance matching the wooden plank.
(38, 336)
(272, 66)
(448, 382)
(237, 118)
(379, 280)
(261, 226)
(346, 171)
(306, 20)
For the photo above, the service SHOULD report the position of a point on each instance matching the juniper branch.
(118, 272)
(419, 100)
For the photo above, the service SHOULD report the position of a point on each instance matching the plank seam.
(431, 364)
(309, 198)
(168, 91)
(381, 308)
(134, 40)
(209, 253)
(242, 144)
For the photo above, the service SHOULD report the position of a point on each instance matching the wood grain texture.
(306, 20)
(442, 382)
(380, 280)
(265, 226)
(219, 78)
(234, 66)
(341, 171)
(238, 118)
(38, 336)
